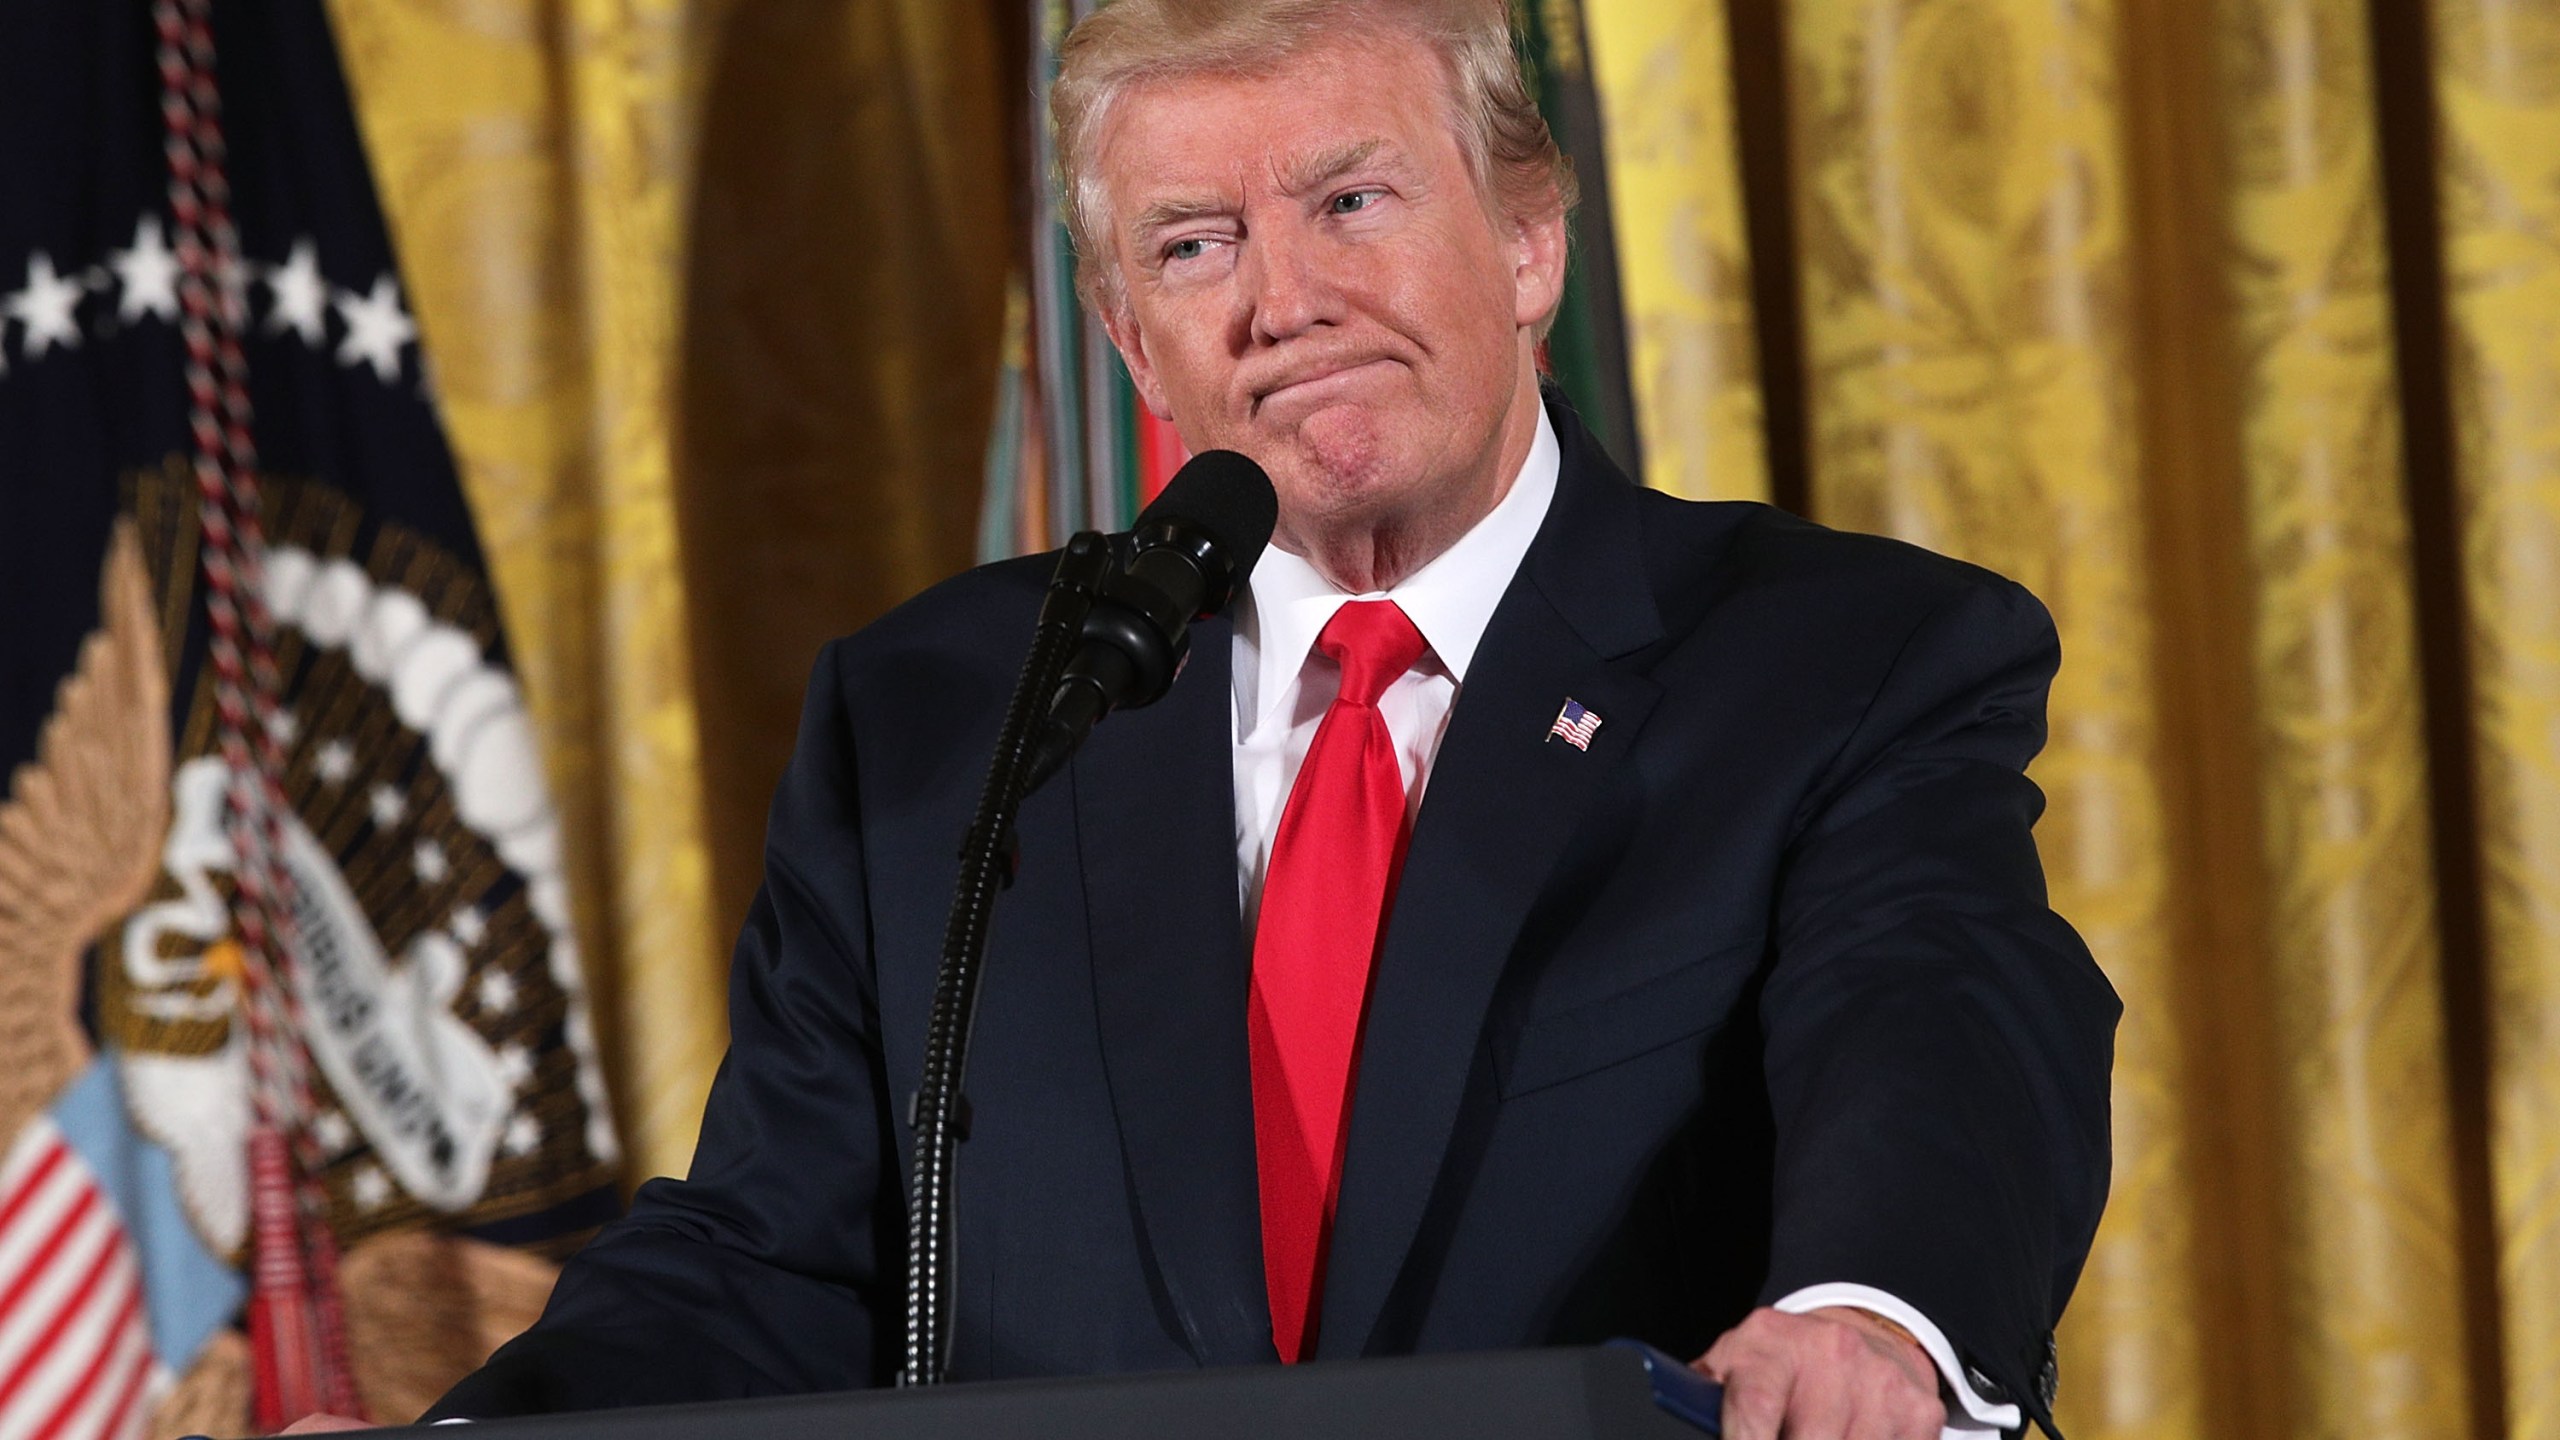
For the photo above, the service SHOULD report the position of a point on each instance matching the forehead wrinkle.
(1298, 176)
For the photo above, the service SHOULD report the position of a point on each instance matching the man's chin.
(1343, 448)
(1335, 489)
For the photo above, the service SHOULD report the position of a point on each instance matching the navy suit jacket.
(1760, 991)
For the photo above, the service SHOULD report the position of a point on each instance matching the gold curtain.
(2371, 1310)
(2126, 298)
(529, 157)
(2497, 82)
(708, 296)
(1663, 70)
(845, 300)
(1962, 194)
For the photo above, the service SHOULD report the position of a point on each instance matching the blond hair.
(1517, 166)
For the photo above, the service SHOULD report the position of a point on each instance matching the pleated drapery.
(1664, 73)
(713, 345)
(530, 158)
(2496, 72)
(2365, 1212)
(1961, 185)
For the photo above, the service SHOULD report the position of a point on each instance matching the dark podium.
(1619, 1391)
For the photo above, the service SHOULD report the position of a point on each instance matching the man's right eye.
(1186, 249)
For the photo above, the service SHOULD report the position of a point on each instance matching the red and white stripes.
(75, 1346)
(296, 1324)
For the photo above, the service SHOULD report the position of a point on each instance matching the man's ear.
(1537, 276)
(1121, 324)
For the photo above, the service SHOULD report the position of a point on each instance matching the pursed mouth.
(1316, 380)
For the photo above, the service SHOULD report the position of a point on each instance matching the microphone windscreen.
(1228, 496)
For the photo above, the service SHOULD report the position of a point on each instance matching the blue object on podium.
(1618, 1391)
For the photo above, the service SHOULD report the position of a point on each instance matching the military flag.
(296, 1072)
(1587, 347)
(1071, 448)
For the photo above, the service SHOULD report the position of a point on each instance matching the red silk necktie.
(1324, 901)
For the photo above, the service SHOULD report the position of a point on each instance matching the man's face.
(1311, 278)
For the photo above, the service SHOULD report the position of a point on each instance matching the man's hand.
(1831, 1374)
(316, 1423)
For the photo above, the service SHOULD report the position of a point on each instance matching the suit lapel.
(1503, 802)
(1155, 830)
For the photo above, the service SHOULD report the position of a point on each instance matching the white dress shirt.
(1283, 685)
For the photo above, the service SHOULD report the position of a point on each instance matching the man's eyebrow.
(1177, 210)
(1296, 178)
(1326, 166)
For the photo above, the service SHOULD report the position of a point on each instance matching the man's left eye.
(1353, 202)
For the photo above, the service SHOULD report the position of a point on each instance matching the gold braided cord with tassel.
(296, 1326)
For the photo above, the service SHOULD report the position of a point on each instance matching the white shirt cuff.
(1969, 1416)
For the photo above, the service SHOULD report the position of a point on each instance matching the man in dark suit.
(1640, 929)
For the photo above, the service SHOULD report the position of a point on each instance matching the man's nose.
(1288, 283)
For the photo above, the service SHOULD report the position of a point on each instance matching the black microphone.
(1188, 554)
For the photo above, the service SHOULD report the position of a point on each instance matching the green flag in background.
(1587, 350)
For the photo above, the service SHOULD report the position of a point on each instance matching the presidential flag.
(295, 1057)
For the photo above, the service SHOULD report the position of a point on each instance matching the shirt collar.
(1451, 600)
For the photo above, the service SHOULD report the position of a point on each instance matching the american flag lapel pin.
(1575, 724)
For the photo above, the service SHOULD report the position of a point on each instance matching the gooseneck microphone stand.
(939, 1111)
(1112, 634)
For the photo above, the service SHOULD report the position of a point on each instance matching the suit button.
(1991, 1391)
